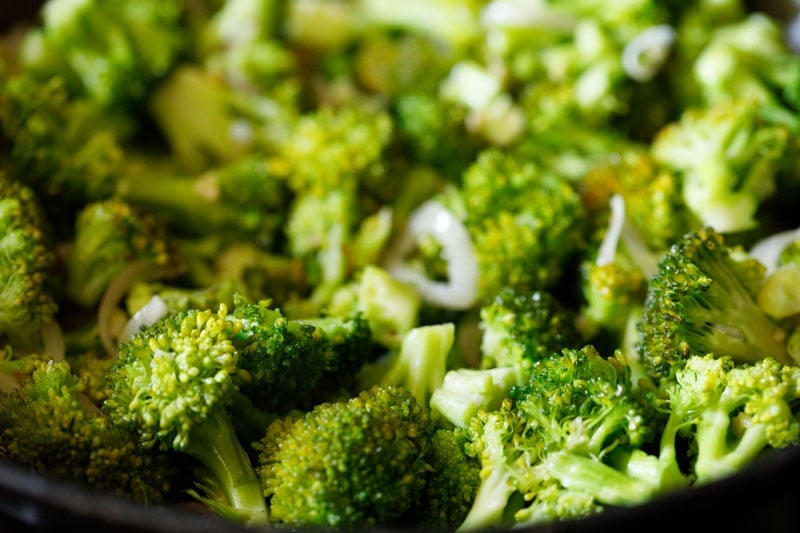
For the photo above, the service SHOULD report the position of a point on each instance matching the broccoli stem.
(491, 499)
(214, 443)
(605, 483)
(717, 456)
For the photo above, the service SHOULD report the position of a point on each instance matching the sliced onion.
(150, 313)
(525, 14)
(646, 53)
(461, 289)
(768, 250)
(608, 248)
(119, 286)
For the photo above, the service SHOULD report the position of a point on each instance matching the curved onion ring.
(118, 287)
(644, 55)
(149, 314)
(768, 250)
(432, 218)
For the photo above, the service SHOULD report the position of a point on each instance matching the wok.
(763, 497)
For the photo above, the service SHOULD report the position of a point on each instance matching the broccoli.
(109, 235)
(356, 463)
(525, 222)
(702, 300)
(732, 413)
(243, 199)
(113, 52)
(519, 328)
(172, 384)
(749, 59)
(289, 364)
(66, 149)
(727, 157)
(466, 391)
(451, 484)
(29, 303)
(419, 365)
(556, 437)
(231, 124)
(49, 426)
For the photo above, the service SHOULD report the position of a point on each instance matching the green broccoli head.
(524, 222)
(451, 484)
(287, 363)
(109, 235)
(114, 51)
(172, 384)
(358, 463)
(49, 426)
(582, 402)
(727, 157)
(66, 149)
(520, 328)
(28, 263)
(702, 300)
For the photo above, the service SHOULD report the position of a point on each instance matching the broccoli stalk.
(419, 365)
(734, 412)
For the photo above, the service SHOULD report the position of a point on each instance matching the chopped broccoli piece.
(47, 425)
(172, 384)
(702, 300)
(357, 463)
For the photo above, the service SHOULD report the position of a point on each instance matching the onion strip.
(119, 286)
(432, 218)
(150, 313)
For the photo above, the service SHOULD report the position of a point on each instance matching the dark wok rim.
(760, 498)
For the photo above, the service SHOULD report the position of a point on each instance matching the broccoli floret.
(47, 425)
(433, 131)
(702, 300)
(733, 413)
(749, 59)
(65, 149)
(207, 122)
(451, 483)
(359, 463)
(243, 199)
(727, 157)
(172, 384)
(525, 223)
(519, 328)
(109, 235)
(569, 442)
(29, 302)
(114, 51)
(289, 363)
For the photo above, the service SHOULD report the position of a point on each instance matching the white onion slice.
(150, 313)
(118, 287)
(768, 250)
(608, 248)
(645, 54)
(461, 289)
